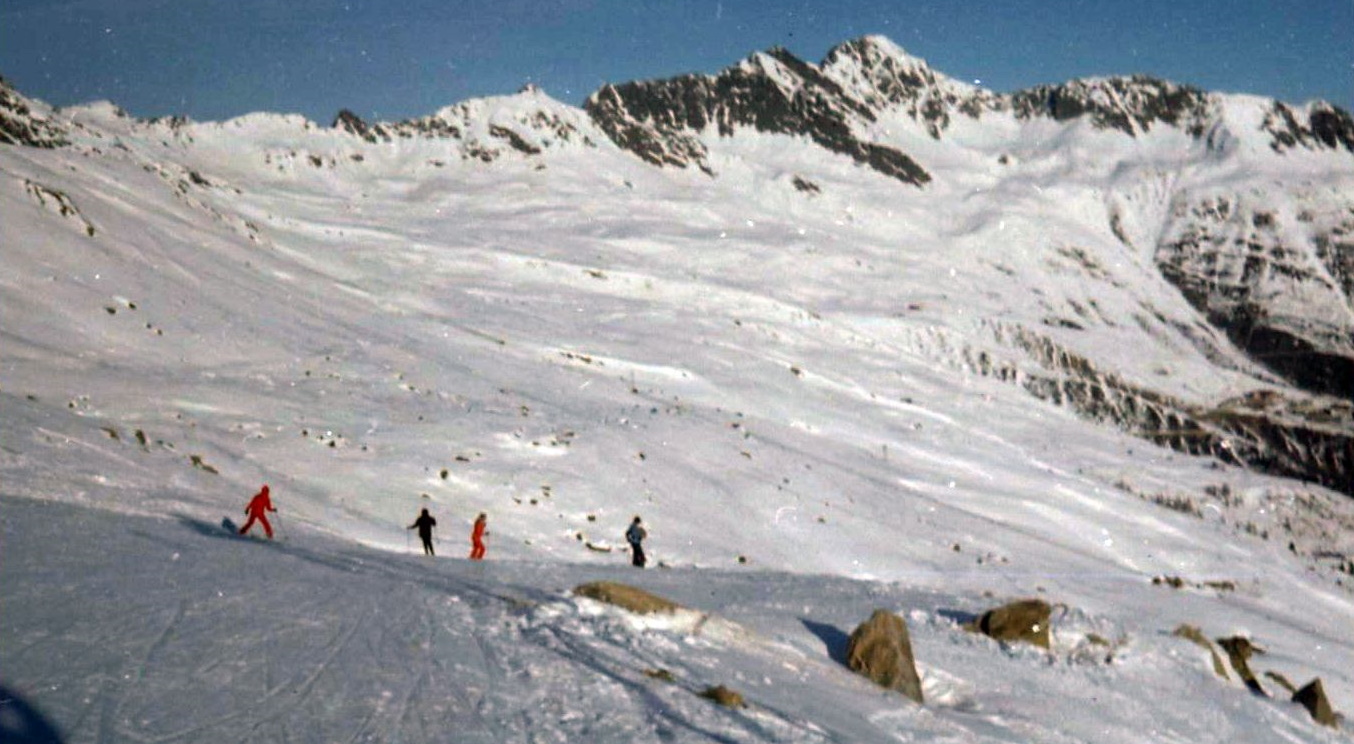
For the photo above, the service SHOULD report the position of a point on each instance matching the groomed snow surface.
(774, 379)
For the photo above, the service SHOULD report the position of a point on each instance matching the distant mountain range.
(1121, 196)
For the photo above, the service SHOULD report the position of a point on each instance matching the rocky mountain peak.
(347, 121)
(878, 60)
(873, 47)
(773, 91)
(882, 76)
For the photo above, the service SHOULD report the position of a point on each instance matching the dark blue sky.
(394, 59)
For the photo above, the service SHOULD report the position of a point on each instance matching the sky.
(212, 60)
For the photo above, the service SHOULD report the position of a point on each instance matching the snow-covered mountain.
(1243, 205)
(854, 323)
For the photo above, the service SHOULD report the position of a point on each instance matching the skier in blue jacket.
(635, 536)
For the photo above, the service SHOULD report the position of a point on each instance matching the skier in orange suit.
(477, 537)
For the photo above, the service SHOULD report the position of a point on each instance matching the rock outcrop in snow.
(1023, 621)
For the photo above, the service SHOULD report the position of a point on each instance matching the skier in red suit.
(477, 537)
(257, 509)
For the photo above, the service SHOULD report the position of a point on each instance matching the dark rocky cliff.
(773, 92)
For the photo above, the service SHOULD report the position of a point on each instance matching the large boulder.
(881, 649)
(1026, 620)
(1313, 698)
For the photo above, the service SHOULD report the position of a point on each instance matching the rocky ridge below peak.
(21, 124)
(1325, 127)
(1132, 105)
(528, 123)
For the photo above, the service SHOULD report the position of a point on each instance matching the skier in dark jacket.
(635, 536)
(425, 524)
(257, 511)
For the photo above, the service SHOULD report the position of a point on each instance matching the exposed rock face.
(773, 92)
(21, 125)
(59, 203)
(1239, 651)
(881, 649)
(1280, 680)
(1025, 621)
(1290, 435)
(776, 92)
(1325, 127)
(1237, 264)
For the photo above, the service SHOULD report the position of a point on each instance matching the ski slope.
(190, 634)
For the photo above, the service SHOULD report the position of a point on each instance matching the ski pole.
(280, 532)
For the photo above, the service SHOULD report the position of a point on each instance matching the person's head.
(425, 511)
(636, 519)
(482, 517)
(265, 489)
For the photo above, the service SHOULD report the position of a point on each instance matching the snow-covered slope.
(811, 377)
(192, 635)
